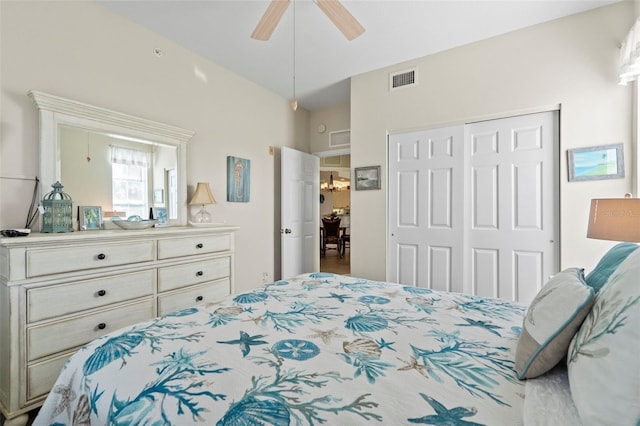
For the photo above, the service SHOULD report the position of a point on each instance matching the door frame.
(333, 153)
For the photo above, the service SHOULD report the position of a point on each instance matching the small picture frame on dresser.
(89, 218)
(160, 214)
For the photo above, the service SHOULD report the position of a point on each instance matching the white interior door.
(426, 208)
(300, 212)
(513, 205)
(475, 208)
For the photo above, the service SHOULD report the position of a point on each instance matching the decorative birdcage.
(58, 212)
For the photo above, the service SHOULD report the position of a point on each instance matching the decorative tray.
(138, 224)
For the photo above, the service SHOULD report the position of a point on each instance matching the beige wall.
(79, 50)
(569, 62)
(335, 118)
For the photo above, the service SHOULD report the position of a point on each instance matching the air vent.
(403, 79)
(340, 138)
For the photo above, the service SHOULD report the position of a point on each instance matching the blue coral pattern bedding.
(316, 349)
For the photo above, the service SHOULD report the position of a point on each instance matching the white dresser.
(60, 291)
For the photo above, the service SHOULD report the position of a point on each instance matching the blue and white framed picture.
(160, 214)
(596, 162)
(89, 218)
(238, 179)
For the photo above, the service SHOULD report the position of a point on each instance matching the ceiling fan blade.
(341, 18)
(270, 19)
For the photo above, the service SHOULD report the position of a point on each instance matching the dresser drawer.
(89, 256)
(197, 295)
(61, 335)
(42, 376)
(189, 246)
(63, 299)
(173, 277)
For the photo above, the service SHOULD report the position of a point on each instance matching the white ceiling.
(396, 31)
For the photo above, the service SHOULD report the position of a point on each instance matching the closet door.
(474, 208)
(513, 205)
(426, 206)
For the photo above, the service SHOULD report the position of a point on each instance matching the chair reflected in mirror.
(330, 235)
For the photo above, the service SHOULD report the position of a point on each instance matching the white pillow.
(604, 356)
(551, 321)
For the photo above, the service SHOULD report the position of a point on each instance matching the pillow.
(552, 319)
(604, 373)
(609, 262)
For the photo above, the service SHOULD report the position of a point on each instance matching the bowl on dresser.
(138, 224)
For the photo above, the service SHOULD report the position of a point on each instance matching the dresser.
(60, 291)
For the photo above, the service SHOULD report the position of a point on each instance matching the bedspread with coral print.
(316, 349)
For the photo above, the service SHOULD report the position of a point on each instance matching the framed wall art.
(596, 162)
(238, 179)
(89, 218)
(367, 178)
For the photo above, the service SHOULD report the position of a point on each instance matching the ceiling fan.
(336, 12)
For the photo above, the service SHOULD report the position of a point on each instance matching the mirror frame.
(56, 110)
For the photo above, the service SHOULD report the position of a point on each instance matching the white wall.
(79, 50)
(570, 61)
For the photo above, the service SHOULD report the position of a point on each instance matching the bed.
(315, 349)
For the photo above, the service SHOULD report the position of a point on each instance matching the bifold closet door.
(474, 208)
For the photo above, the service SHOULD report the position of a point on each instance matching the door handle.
(285, 231)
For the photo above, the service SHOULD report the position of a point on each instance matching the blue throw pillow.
(602, 360)
(609, 263)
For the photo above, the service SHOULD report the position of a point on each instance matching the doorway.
(335, 203)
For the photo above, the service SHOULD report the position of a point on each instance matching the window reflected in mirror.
(118, 174)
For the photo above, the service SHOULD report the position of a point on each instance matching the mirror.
(76, 148)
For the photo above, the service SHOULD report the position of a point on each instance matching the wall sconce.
(616, 219)
(202, 196)
(58, 212)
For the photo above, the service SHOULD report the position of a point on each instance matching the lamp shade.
(616, 219)
(202, 195)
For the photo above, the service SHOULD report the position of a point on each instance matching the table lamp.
(616, 219)
(202, 196)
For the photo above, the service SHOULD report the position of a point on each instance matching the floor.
(333, 262)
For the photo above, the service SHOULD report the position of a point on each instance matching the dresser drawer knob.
(199, 299)
(199, 245)
(102, 292)
(199, 274)
(102, 326)
(101, 256)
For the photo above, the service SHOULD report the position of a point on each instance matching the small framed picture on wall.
(596, 162)
(367, 178)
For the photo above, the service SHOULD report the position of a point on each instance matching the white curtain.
(130, 157)
(629, 65)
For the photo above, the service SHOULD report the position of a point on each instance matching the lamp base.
(202, 216)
